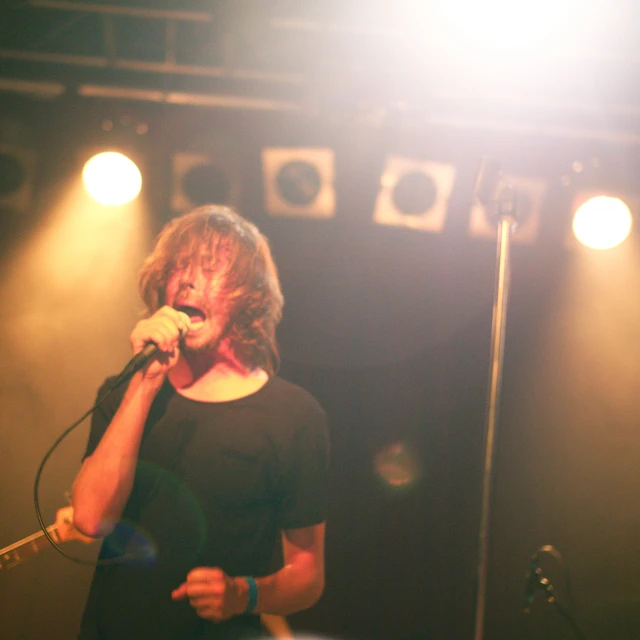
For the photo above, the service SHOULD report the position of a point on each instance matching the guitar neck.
(19, 551)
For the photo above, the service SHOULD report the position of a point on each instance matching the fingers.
(208, 592)
(64, 516)
(184, 322)
(201, 583)
(209, 613)
(64, 520)
(205, 574)
(180, 593)
(66, 529)
(163, 328)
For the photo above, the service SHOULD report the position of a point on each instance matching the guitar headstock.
(62, 531)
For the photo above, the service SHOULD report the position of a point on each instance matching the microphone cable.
(133, 366)
(123, 377)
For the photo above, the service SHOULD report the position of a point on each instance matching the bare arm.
(300, 582)
(104, 482)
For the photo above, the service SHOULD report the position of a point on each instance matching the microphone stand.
(503, 203)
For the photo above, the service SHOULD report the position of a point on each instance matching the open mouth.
(196, 316)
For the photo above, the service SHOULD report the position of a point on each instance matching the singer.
(197, 466)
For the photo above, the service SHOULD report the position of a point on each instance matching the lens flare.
(168, 500)
(397, 466)
(112, 179)
(602, 222)
(130, 543)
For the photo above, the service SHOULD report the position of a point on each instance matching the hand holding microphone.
(155, 342)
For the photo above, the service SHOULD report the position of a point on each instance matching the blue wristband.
(253, 595)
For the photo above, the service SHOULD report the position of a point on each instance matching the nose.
(191, 277)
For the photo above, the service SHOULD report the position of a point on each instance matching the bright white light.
(111, 178)
(531, 29)
(602, 222)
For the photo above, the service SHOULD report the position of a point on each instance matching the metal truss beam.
(134, 12)
(167, 67)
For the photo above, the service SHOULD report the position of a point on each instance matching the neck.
(215, 376)
(220, 362)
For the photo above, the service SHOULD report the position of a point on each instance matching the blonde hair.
(252, 278)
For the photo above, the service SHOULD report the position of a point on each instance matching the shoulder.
(294, 398)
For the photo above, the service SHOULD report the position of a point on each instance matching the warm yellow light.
(602, 222)
(111, 178)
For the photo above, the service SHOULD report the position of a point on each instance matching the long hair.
(253, 288)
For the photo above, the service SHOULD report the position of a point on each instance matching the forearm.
(296, 586)
(104, 483)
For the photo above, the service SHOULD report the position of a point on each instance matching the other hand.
(213, 594)
(66, 529)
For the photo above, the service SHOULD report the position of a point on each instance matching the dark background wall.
(390, 329)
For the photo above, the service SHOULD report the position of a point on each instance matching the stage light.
(198, 179)
(299, 182)
(602, 222)
(414, 194)
(530, 193)
(498, 26)
(17, 168)
(111, 178)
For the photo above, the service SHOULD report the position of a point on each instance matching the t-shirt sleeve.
(305, 484)
(102, 416)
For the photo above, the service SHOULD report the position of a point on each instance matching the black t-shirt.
(215, 483)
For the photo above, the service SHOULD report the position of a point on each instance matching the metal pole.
(501, 297)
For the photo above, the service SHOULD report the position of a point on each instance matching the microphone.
(488, 180)
(149, 351)
(532, 583)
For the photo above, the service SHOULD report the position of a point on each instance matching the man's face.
(196, 286)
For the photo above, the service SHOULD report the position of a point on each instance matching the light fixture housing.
(299, 182)
(414, 194)
(201, 178)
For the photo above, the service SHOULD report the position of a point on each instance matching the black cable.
(36, 500)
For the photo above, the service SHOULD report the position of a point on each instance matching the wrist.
(251, 594)
(146, 387)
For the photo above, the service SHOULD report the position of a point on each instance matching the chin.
(195, 347)
(200, 344)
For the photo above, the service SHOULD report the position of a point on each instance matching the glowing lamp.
(112, 179)
(602, 222)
